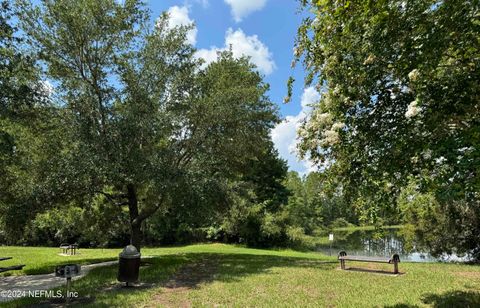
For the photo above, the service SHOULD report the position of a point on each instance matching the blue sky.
(262, 29)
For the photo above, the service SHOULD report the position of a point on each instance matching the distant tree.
(267, 173)
(18, 72)
(303, 208)
(326, 197)
(144, 122)
(401, 86)
(258, 200)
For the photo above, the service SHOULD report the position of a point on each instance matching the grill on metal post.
(67, 271)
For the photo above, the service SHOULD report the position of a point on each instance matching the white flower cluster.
(338, 126)
(369, 60)
(331, 136)
(440, 160)
(321, 122)
(414, 75)
(466, 149)
(413, 109)
(323, 119)
(302, 132)
(337, 90)
(327, 99)
(427, 154)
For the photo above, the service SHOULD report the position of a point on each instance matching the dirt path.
(174, 292)
(18, 284)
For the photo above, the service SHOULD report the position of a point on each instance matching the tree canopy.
(400, 105)
(143, 122)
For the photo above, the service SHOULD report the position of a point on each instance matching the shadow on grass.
(100, 287)
(49, 268)
(453, 299)
(402, 306)
(235, 267)
(374, 271)
(450, 299)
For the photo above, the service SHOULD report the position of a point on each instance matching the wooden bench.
(10, 268)
(394, 259)
(69, 247)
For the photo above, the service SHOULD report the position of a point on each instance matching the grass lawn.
(42, 260)
(225, 275)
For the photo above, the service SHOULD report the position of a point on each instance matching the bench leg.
(342, 264)
(395, 267)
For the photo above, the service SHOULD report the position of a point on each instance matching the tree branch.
(113, 197)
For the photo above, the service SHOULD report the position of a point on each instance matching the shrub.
(298, 239)
(340, 223)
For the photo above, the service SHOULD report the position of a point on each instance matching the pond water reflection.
(381, 243)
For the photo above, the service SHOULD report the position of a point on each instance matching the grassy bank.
(225, 275)
(324, 241)
(366, 228)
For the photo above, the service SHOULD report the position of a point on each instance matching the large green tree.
(144, 122)
(401, 89)
(26, 117)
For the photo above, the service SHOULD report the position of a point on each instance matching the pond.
(383, 243)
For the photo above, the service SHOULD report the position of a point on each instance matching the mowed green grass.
(232, 276)
(42, 260)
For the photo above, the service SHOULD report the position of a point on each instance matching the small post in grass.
(342, 254)
(330, 238)
(396, 259)
(67, 294)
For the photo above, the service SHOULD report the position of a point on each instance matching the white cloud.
(310, 96)
(209, 55)
(242, 45)
(179, 17)
(250, 46)
(242, 8)
(284, 135)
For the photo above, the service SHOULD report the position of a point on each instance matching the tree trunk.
(136, 236)
(135, 225)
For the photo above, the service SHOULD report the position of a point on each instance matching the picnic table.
(69, 247)
(10, 268)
